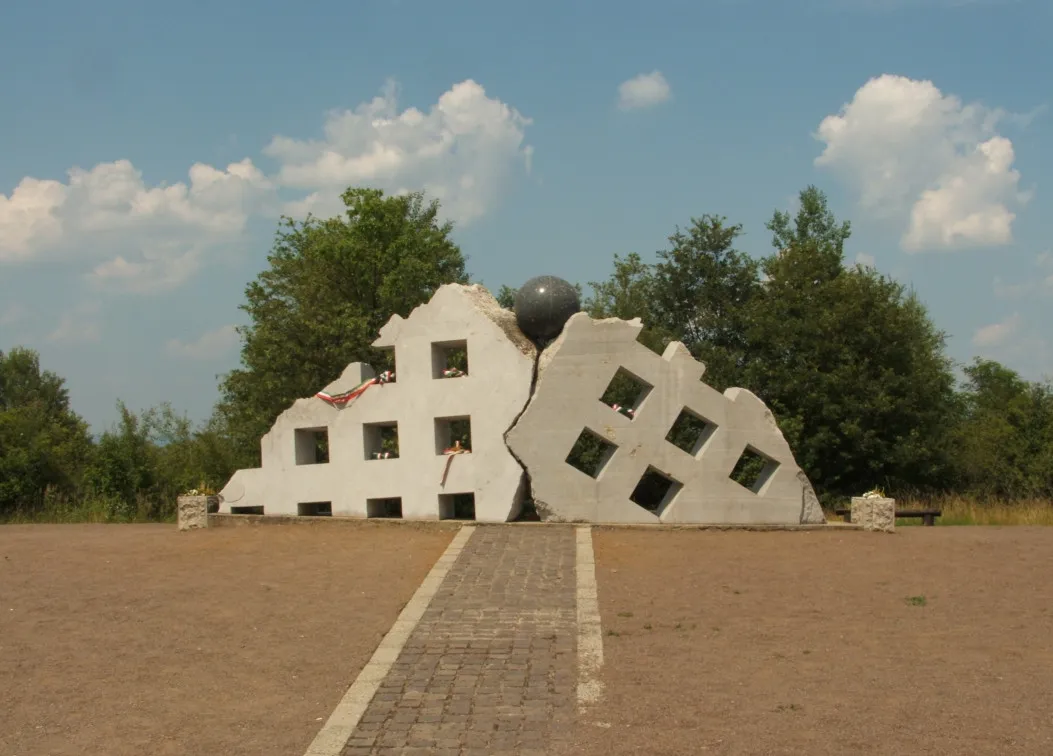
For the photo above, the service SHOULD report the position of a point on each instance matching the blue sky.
(149, 149)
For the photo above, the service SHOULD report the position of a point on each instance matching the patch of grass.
(625, 614)
(62, 510)
(916, 600)
(972, 510)
(613, 633)
(789, 707)
(647, 626)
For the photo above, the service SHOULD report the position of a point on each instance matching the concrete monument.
(460, 428)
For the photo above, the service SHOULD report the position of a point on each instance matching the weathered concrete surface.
(874, 513)
(573, 373)
(192, 511)
(497, 387)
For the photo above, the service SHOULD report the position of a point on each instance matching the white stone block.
(419, 404)
(192, 511)
(573, 373)
(874, 513)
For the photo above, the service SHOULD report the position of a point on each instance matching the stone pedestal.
(877, 513)
(192, 511)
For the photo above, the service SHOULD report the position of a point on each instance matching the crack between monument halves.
(529, 492)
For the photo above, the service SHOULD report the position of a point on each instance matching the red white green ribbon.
(627, 411)
(340, 400)
(453, 373)
(450, 454)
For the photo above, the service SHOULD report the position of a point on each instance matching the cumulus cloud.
(1040, 283)
(914, 153)
(144, 238)
(461, 152)
(998, 334)
(209, 346)
(12, 313)
(864, 260)
(643, 91)
(157, 231)
(79, 325)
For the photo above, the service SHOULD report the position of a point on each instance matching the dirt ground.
(930, 641)
(139, 639)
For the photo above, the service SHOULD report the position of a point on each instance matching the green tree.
(849, 362)
(329, 288)
(1004, 442)
(43, 443)
(702, 291)
(629, 293)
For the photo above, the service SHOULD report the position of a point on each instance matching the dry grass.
(64, 511)
(969, 510)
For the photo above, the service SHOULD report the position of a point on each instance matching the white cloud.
(865, 260)
(914, 153)
(156, 231)
(13, 313)
(461, 152)
(209, 346)
(643, 91)
(143, 238)
(998, 334)
(79, 325)
(1042, 283)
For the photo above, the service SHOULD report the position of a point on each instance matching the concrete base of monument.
(235, 520)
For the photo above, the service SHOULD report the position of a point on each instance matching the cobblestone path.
(491, 667)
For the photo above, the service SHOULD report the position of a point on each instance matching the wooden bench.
(927, 516)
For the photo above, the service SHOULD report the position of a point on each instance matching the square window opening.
(590, 453)
(459, 506)
(381, 440)
(691, 432)
(312, 446)
(390, 508)
(384, 361)
(753, 470)
(626, 393)
(453, 433)
(655, 491)
(315, 509)
(449, 359)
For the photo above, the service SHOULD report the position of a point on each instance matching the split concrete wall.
(517, 426)
(421, 406)
(573, 374)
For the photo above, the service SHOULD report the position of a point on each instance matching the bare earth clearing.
(139, 639)
(809, 643)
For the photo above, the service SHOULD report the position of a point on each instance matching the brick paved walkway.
(491, 668)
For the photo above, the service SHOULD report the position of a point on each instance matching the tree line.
(848, 360)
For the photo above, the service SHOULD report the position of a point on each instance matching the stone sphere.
(543, 305)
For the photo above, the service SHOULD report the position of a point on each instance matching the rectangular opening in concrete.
(385, 361)
(626, 393)
(381, 440)
(753, 470)
(590, 453)
(655, 491)
(453, 433)
(449, 359)
(246, 510)
(384, 508)
(460, 506)
(691, 432)
(315, 508)
(312, 446)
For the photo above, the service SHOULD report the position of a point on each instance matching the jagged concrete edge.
(506, 321)
(811, 510)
